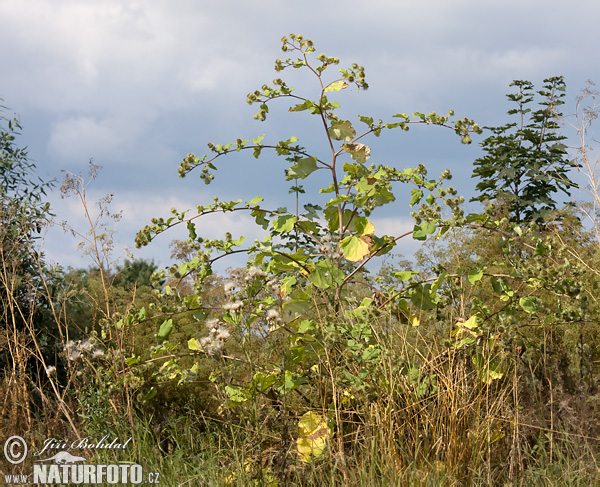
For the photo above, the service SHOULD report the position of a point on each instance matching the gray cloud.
(137, 85)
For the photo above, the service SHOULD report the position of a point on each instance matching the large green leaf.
(342, 130)
(415, 196)
(284, 224)
(291, 381)
(294, 308)
(488, 370)
(530, 304)
(420, 232)
(237, 394)
(326, 275)
(302, 169)
(475, 275)
(421, 297)
(262, 381)
(302, 106)
(165, 329)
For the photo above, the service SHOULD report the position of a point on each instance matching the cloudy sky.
(136, 85)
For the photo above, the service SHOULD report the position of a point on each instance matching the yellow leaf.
(313, 433)
(339, 85)
(369, 229)
(354, 248)
(471, 323)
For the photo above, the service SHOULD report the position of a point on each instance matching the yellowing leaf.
(354, 248)
(193, 344)
(337, 86)
(415, 321)
(369, 229)
(471, 323)
(359, 152)
(313, 433)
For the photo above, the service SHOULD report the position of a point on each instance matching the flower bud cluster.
(354, 75)
(189, 162)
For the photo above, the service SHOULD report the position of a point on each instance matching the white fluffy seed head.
(74, 355)
(210, 324)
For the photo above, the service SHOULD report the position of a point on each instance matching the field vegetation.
(327, 359)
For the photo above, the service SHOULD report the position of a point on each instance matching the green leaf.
(134, 359)
(342, 130)
(421, 297)
(302, 106)
(262, 381)
(294, 308)
(540, 249)
(302, 169)
(404, 275)
(237, 394)
(497, 285)
(371, 353)
(361, 226)
(476, 218)
(284, 224)
(475, 275)
(165, 329)
(254, 201)
(260, 218)
(530, 304)
(149, 394)
(487, 369)
(291, 381)
(193, 344)
(192, 230)
(415, 196)
(326, 275)
(306, 326)
(420, 232)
